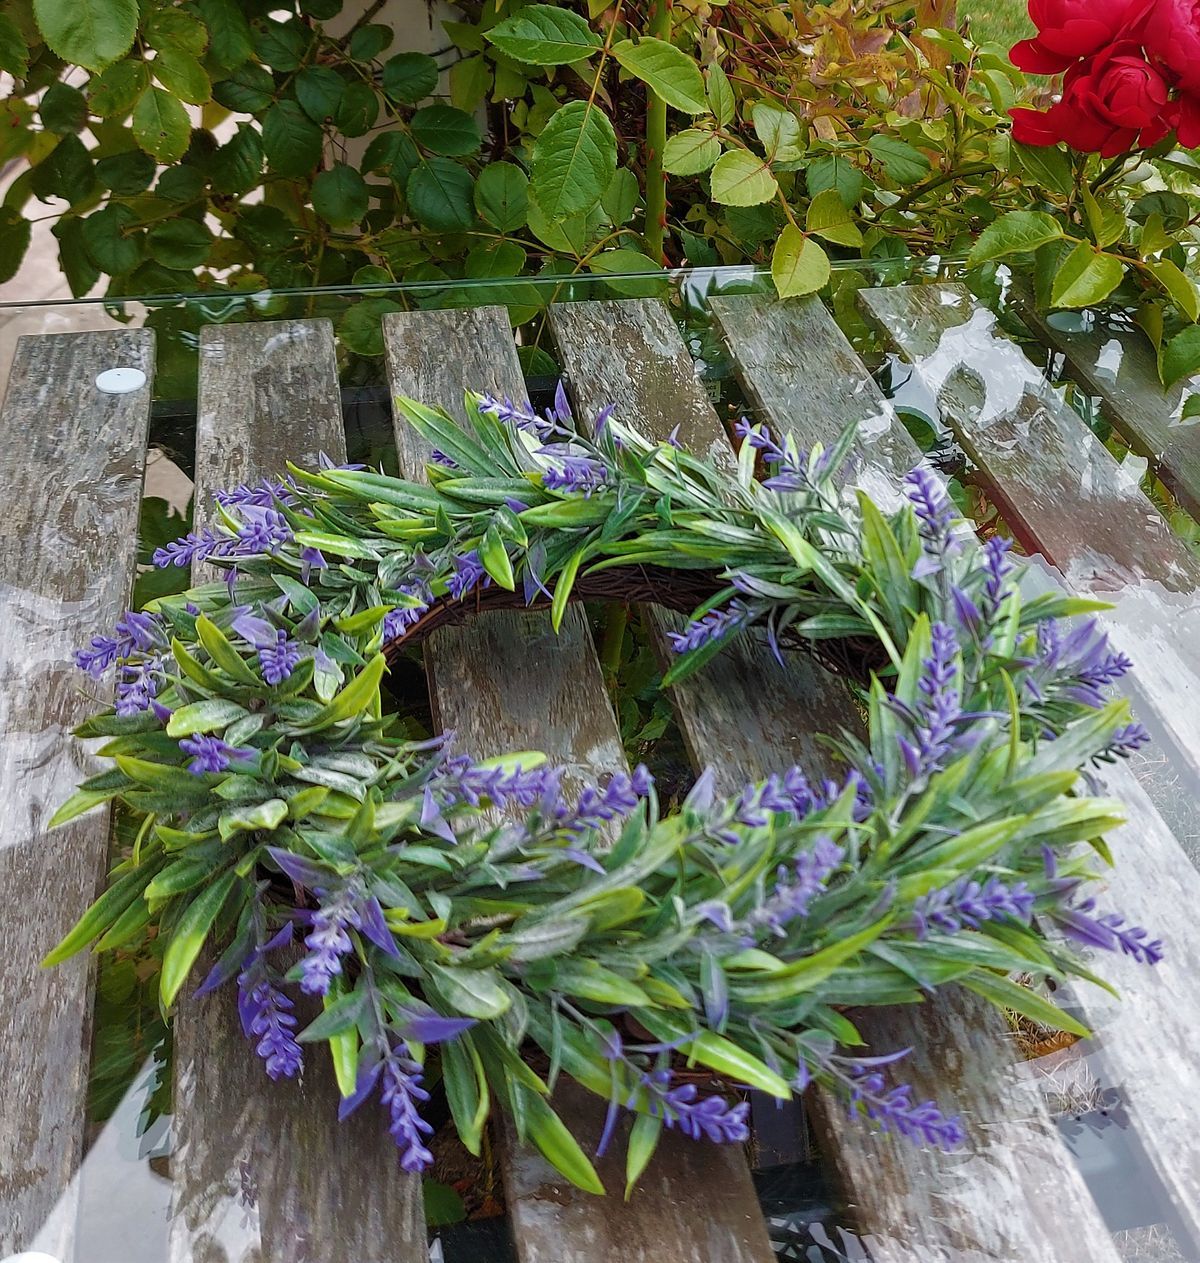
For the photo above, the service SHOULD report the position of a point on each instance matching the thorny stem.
(658, 26)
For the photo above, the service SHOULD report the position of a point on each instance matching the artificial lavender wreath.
(583, 932)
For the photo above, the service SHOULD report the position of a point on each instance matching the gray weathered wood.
(1119, 365)
(1014, 1194)
(264, 1172)
(1060, 490)
(71, 462)
(505, 682)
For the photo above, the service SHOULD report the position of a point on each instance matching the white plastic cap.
(113, 381)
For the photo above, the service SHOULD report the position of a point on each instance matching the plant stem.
(659, 26)
(615, 623)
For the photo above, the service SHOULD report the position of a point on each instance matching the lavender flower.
(1128, 739)
(1108, 932)
(461, 780)
(266, 1012)
(311, 559)
(789, 792)
(438, 457)
(328, 940)
(617, 799)
(468, 574)
(264, 494)
(709, 1118)
(100, 654)
(579, 474)
(968, 903)
(402, 1095)
(939, 710)
(264, 531)
(136, 632)
(193, 547)
(520, 416)
(715, 625)
(997, 566)
(1077, 666)
(279, 660)
(796, 887)
(935, 514)
(893, 1108)
(210, 754)
(396, 622)
(789, 464)
(138, 685)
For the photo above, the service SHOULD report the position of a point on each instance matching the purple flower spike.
(328, 940)
(266, 1015)
(210, 754)
(935, 515)
(138, 685)
(968, 903)
(402, 1095)
(893, 1109)
(1108, 932)
(709, 1118)
(98, 656)
(937, 714)
(469, 574)
(279, 660)
(193, 547)
(1128, 739)
(715, 625)
(796, 887)
(265, 531)
(578, 474)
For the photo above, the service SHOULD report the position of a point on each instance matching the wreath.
(473, 923)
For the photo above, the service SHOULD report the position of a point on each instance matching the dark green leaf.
(901, 161)
(440, 195)
(544, 35)
(179, 243)
(15, 233)
(445, 130)
(63, 109)
(369, 41)
(108, 244)
(115, 92)
(237, 166)
(358, 109)
(409, 77)
(161, 125)
(248, 90)
(14, 51)
(126, 173)
(292, 142)
(502, 196)
(340, 196)
(319, 91)
(88, 33)
(229, 32)
(280, 45)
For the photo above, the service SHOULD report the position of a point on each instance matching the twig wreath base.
(476, 927)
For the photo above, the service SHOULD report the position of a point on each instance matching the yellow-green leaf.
(798, 264)
(741, 178)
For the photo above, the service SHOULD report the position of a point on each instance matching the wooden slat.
(1062, 493)
(71, 463)
(264, 1171)
(802, 376)
(1119, 365)
(505, 681)
(1144, 1038)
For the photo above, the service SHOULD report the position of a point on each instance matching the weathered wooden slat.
(1060, 490)
(505, 681)
(264, 1172)
(1118, 365)
(71, 462)
(1007, 1198)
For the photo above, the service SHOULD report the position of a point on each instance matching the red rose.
(1173, 34)
(1110, 103)
(1070, 29)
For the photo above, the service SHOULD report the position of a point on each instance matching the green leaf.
(1018, 232)
(544, 35)
(470, 80)
(1043, 166)
(502, 196)
(621, 263)
(126, 173)
(182, 75)
(340, 196)
(409, 77)
(443, 1205)
(292, 142)
(673, 76)
(778, 130)
(63, 109)
(573, 160)
(106, 909)
(620, 199)
(829, 217)
(15, 234)
(719, 93)
(319, 91)
(280, 45)
(248, 89)
(901, 161)
(445, 130)
(439, 195)
(161, 125)
(369, 41)
(188, 937)
(229, 33)
(741, 178)
(723, 1055)
(266, 815)
(1086, 277)
(471, 992)
(1181, 356)
(14, 51)
(798, 264)
(359, 697)
(394, 155)
(107, 244)
(206, 716)
(115, 92)
(1011, 995)
(691, 152)
(643, 1140)
(358, 109)
(1181, 289)
(834, 171)
(359, 329)
(237, 166)
(88, 33)
(179, 243)
(549, 1133)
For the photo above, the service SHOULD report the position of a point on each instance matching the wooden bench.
(263, 1171)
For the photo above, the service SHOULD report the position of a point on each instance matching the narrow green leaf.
(189, 936)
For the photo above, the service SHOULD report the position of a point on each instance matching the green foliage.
(695, 135)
